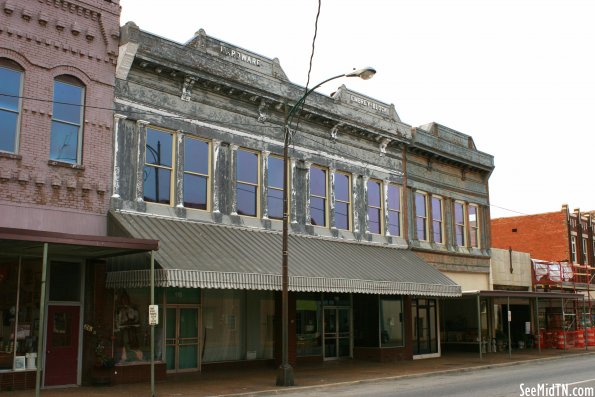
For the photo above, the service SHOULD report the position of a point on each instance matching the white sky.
(516, 75)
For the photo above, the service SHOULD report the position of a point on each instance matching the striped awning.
(199, 255)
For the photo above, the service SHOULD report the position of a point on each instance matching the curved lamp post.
(285, 372)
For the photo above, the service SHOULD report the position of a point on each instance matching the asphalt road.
(578, 373)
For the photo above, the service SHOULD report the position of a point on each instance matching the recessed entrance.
(425, 332)
(182, 338)
(337, 332)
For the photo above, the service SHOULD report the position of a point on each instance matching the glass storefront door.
(337, 332)
(182, 338)
(423, 313)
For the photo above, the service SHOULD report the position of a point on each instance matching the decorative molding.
(383, 144)
(334, 132)
(187, 88)
(263, 113)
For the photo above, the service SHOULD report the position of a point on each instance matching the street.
(576, 372)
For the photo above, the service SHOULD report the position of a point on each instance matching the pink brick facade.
(47, 39)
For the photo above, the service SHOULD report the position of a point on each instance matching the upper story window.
(375, 206)
(11, 80)
(342, 201)
(437, 220)
(196, 173)
(473, 217)
(67, 120)
(459, 224)
(247, 182)
(318, 196)
(573, 248)
(158, 170)
(275, 187)
(421, 216)
(585, 251)
(394, 210)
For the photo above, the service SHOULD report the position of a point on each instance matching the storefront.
(46, 280)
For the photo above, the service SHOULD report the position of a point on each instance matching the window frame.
(398, 211)
(8, 64)
(257, 184)
(379, 208)
(348, 202)
(75, 82)
(573, 252)
(276, 188)
(462, 226)
(425, 217)
(194, 173)
(473, 230)
(585, 249)
(440, 221)
(325, 198)
(159, 166)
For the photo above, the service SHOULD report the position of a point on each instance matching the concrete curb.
(295, 389)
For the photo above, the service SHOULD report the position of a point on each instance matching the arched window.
(11, 85)
(67, 120)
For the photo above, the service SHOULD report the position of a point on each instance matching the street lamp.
(285, 371)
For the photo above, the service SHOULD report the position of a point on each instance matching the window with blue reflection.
(158, 166)
(196, 173)
(459, 224)
(437, 219)
(421, 216)
(374, 206)
(342, 200)
(275, 187)
(318, 196)
(394, 210)
(247, 182)
(10, 104)
(67, 117)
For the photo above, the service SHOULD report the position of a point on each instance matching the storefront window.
(391, 322)
(309, 326)
(19, 282)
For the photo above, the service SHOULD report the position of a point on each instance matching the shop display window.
(309, 326)
(391, 322)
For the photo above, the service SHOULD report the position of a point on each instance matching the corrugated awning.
(199, 255)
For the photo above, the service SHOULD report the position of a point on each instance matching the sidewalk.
(262, 381)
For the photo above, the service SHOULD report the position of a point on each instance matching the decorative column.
(365, 180)
(331, 188)
(118, 118)
(141, 132)
(234, 179)
(292, 183)
(385, 184)
(355, 203)
(307, 165)
(179, 171)
(215, 178)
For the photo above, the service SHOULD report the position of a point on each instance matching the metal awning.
(200, 255)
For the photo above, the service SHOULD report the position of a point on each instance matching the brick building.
(57, 65)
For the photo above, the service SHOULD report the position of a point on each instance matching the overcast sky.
(518, 76)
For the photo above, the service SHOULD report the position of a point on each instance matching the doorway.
(424, 321)
(182, 345)
(337, 333)
(62, 345)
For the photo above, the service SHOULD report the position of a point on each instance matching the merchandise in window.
(158, 166)
(421, 216)
(67, 120)
(342, 200)
(374, 206)
(318, 196)
(247, 183)
(394, 210)
(196, 173)
(10, 106)
(275, 187)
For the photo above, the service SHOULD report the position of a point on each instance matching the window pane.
(437, 231)
(436, 209)
(157, 185)
(317, 211)
(275, 172)
(275, 203)
(472, 216)
(247, 166)
(159, 148)
(317, 181)
(459, 213)
(374, 220)
(64, 142)
(246, 199)
(195, 191)
(460, 235)
(394, 197)
(342, 187)
(374, 193)
(10, 85)
(342, 215)
(8, 130)
(68, 99)
(391, 322)
(420, 205)
(421, 229)
(196, 156)
(394, 223)
(65, 281)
